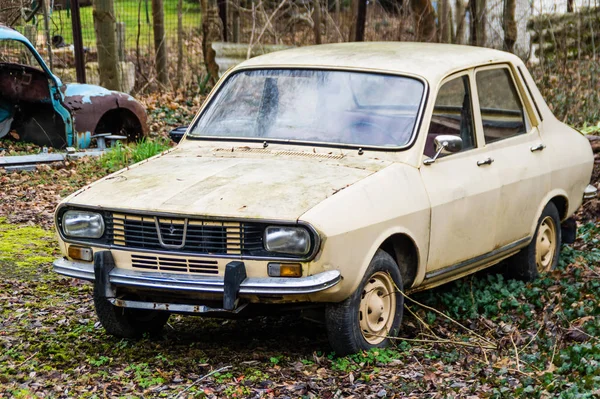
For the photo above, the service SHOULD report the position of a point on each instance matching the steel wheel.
(545, 247)
(377, 308)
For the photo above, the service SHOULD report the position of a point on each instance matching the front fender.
(88, 103)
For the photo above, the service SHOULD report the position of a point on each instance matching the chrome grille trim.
(170, 264)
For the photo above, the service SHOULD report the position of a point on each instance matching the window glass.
(452, 115)
(314, 106)
(501, 108)
(15, 52)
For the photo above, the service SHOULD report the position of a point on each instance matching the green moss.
(23, 249)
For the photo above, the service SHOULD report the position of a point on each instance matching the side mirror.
(177, 134)
(445, 144)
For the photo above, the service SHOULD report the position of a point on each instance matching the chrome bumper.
(201, 284)
(590, 192)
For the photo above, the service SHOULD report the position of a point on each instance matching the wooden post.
(222, 4)
(77, 42)
(160, 45)
(121, 41)
(45, 6)
(361, 19)
(317, 21)
(106, 42)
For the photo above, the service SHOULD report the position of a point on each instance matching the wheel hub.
(545, 248)
(377, 307)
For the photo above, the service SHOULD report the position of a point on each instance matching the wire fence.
(253, 23)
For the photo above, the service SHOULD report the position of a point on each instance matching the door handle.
(538, 147)
(487, 161)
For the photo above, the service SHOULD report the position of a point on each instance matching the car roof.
(7, 33)
(432, 61)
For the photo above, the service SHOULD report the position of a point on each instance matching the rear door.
(517, 152)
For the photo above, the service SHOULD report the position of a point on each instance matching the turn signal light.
(284, 269)
(81, 253)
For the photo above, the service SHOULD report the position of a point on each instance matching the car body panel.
(81, 106)
(459, 216)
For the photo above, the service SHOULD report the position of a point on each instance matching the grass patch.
(121, 155)
(24, 248)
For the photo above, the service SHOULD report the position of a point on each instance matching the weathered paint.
(87, 91)
(358, 199)
(81, 105)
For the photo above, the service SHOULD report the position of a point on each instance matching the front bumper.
(172, 282)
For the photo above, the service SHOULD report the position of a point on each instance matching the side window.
(452, 114)
(502, 112)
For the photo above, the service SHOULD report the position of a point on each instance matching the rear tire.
(542, 253)
(128, 323)
(372, 314)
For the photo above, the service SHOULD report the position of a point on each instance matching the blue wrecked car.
(35, 106)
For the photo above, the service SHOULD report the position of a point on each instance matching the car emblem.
(172, 230)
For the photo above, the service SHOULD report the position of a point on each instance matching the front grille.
(201, 237)
(163, 263)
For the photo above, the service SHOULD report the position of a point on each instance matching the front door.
(463, 187)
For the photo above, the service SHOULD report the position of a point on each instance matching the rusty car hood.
(214, 184)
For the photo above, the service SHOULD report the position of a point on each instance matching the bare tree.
(509, 24)
(160, 45)
(106, 42)
(424, 19)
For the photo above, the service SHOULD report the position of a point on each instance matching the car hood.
(184, 182)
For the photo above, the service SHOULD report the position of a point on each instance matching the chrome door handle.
(487, 161)
(538, 147)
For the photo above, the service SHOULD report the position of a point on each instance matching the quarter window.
(502, 112)
(452, 115)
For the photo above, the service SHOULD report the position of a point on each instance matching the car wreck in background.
(35, 106)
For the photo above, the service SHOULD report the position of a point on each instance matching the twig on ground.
(200, 379)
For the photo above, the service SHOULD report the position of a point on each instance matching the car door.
(463, 189)
(516, 149)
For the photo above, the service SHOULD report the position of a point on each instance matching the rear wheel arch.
(121, 120)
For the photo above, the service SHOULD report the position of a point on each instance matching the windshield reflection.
(314, 106)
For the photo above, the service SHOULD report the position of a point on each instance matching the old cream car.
(334, 175)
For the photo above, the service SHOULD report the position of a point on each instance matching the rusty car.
(337, 177)
(37, 107)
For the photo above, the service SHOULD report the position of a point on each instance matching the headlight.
(288, 240)
(83, 224)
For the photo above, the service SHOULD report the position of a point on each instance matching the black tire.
(524, 265)
(128, 323)
(343, 320)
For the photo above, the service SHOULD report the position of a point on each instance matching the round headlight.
(83, 224)
(288, 240)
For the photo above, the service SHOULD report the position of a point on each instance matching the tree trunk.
(106, 42)
(210, 32)
(461, 19)
(445, 21)
(160, 45)
(179, 43)
(510, 25)
(424, 18)
(478, 22)
(317, 21)
(361, 20)
(570, 6)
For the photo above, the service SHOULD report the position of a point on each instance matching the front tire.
(542, 253)
(372, 314)
(128, 323)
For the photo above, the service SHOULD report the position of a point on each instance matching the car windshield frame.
(213, 96)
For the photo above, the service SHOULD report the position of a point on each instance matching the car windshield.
(337, 107)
